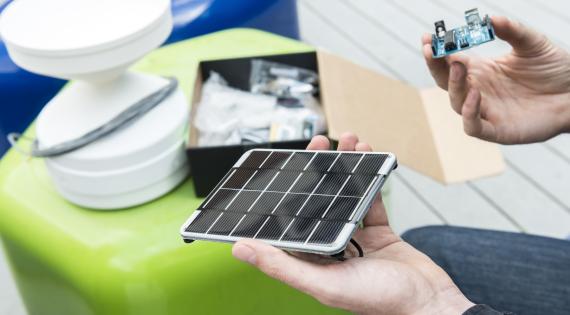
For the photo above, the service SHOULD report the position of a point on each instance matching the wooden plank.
(312, 26)
(452, 12)
(386, 50)
(556, 8)
(459, 204)
(548, 183)
(546, 170)
(488, 216)
(561, 146)
(317, 32)
(447, 200)
(482, 196)
(406, 212)
(555, 28)
(534, 211)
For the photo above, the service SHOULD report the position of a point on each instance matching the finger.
(347, 142)
(319, 143)
(438, 67)
(377, 213)
(524, 40)
(314, 258)
(376, 216)
(361, 146)
(473, 124)
(299, 274)
(457, 86)
(426, 38)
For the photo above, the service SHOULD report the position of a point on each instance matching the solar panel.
(307, 201)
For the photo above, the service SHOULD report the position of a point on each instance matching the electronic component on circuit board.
(477, 31)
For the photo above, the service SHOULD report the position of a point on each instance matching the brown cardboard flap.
(384, 112)
(419, 127)
(462, 157)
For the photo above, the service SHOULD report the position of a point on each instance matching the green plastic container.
(69, 260)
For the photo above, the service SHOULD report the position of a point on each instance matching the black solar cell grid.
(346, 163)
(267, 202)
(317, 205)
(243, 201)
(261, 179)
(298, 161)
(274, 228)
(255, 159)
(284, 180)
(291, 204)
(370, 164)
(300, 229)
(307, 182)
(357, 185)
(326, 232)
(239, 178)
(342, 208)
(220, 199)
(332, 184)
(226, 223)
(322, 162)
(249, 226)
(203, 221)
(276, 160)
(300, 196)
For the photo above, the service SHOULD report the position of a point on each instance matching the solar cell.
(298, 200)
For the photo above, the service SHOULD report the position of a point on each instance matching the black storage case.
(209, 164)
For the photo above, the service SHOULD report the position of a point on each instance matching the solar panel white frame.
(343, 236)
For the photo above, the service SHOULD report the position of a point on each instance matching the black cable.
(340, 256)
(358, 248)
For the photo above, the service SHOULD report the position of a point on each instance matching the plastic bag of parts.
(291, 85)
(227, 116)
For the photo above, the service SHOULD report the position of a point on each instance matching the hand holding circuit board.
(477, 31)
(513, 98)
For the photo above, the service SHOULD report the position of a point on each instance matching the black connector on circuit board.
(476, 32)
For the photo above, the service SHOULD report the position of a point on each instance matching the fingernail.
(244, 253)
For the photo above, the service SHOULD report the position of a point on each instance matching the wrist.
(563, 114)
(566, 126)
(448, 302)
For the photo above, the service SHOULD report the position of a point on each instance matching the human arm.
(391, 278)
(520, 97)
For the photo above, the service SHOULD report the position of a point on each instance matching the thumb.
(302, 275)
(524, 40)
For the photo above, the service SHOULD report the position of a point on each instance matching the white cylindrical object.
(93, 40)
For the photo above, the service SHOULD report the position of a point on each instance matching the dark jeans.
(513, 272)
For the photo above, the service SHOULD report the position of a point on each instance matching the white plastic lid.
(78, 26)
(93, 40)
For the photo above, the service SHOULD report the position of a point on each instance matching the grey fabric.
(514, 272)
(482, 309)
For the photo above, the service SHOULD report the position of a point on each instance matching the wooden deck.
(532, 196)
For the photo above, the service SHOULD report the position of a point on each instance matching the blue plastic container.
(198, 17)
(23, 94)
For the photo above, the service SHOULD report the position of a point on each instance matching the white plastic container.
(93, 42)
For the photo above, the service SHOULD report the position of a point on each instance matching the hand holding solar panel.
(307, 201)
(391, 278)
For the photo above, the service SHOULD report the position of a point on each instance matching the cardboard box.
(418, 125)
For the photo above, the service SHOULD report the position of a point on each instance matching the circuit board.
(477, 31)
